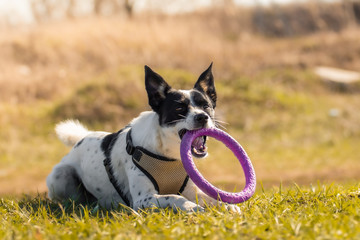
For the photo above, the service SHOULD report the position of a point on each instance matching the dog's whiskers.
(219, 121)
(219, 124)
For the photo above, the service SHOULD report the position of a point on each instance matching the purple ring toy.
(201, 182)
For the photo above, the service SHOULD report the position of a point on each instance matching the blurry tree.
(41, 9)
(110, 7)
(298, 19)
(44, 10)
(275, 20)
(129, 7)
(97, 6)
(70, 9)
(349, 11)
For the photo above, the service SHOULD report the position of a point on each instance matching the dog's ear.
(156, 88)
(205, 84)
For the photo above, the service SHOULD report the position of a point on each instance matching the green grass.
(315, 212)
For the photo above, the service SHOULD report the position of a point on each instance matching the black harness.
(167, 175)
(107, 146)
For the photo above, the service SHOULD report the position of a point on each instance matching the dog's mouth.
(198, 146)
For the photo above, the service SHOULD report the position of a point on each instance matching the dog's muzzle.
(198, 146)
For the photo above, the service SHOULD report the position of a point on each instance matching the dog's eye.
(179, 109)
(206, 106)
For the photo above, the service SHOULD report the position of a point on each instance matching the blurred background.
(286, 73)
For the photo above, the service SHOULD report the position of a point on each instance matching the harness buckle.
(129, 147)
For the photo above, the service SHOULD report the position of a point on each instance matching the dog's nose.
(201, 118)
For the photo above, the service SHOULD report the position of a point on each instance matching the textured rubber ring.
(201, 182)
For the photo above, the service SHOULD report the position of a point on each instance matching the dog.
(139, 166)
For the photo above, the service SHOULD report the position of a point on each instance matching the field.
(301, 133)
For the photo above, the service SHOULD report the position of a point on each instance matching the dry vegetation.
(92, 69)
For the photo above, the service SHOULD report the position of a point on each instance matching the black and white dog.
(140, 165)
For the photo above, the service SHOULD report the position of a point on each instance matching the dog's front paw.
(232, 208)
(192, 207)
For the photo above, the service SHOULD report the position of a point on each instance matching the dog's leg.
(166, 201)
(144, 195)
(63, 184)
(193, 193)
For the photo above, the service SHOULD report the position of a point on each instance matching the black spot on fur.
(167, 198)
(78, 144)
(139, 193)
(175, 107)
(57, 177)
(200, 100)
(108, 142)
(98, 189)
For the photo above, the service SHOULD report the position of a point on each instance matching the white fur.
(71, 131)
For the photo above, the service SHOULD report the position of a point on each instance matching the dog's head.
(183, 110)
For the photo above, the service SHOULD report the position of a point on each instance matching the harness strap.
(108, 167)
(168, 175)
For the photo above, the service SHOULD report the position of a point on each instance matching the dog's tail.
(71, 131)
